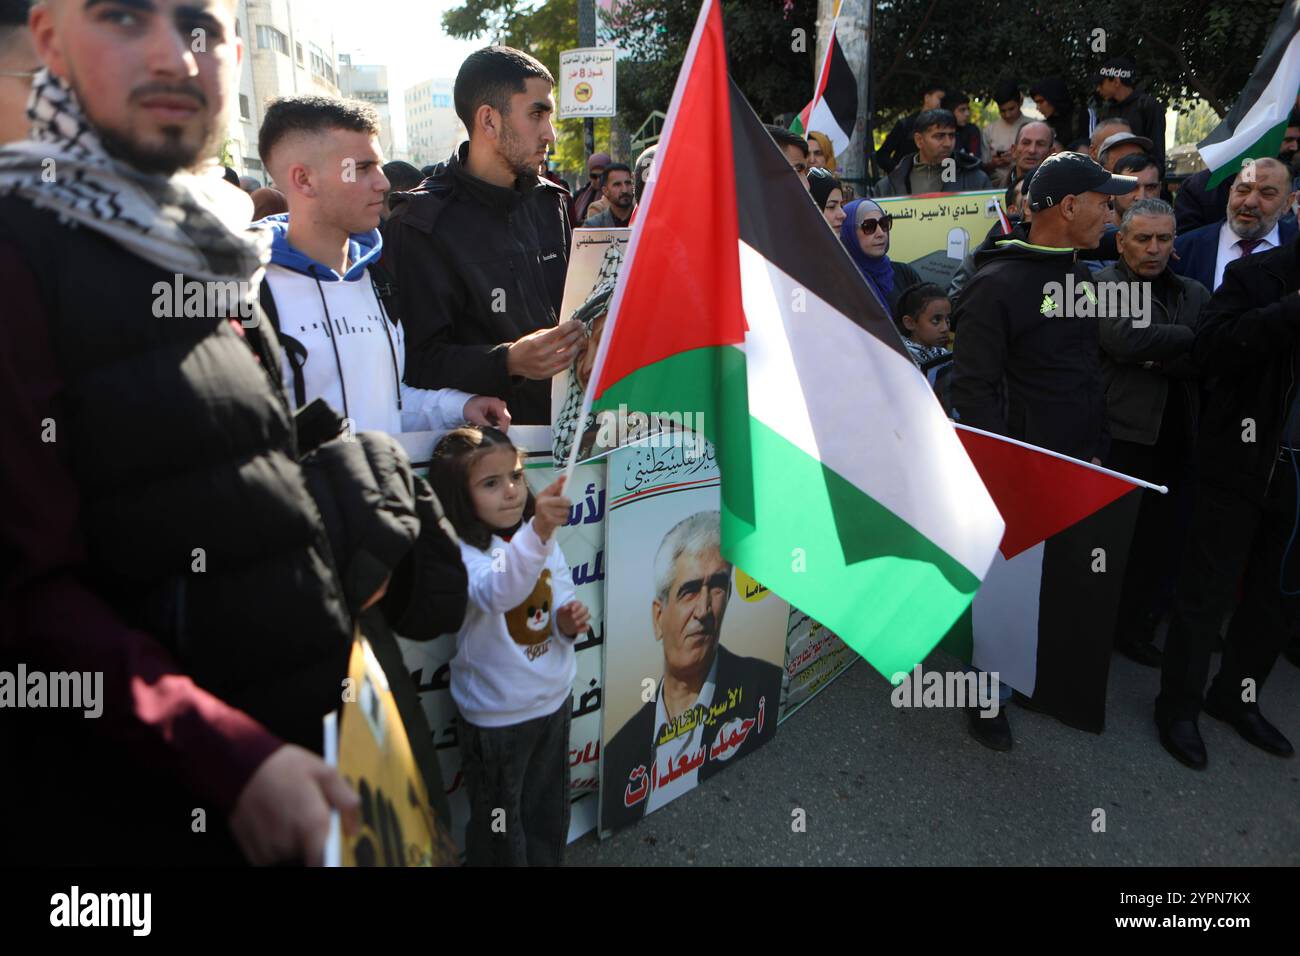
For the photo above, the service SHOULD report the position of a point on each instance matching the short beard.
(517, 156)
(166, 160)
(1262, 226)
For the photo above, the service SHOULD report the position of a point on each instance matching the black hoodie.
(477, 267)
(1021, 372)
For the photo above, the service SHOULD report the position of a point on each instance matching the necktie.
(1248, 246)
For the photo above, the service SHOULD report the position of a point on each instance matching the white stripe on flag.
(822, 120)
(1004, 619)
(862, 409)
(1272, 107)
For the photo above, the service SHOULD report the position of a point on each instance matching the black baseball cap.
(1069, 174)
(1120, 67)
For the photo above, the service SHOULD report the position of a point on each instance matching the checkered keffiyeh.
(177, 222)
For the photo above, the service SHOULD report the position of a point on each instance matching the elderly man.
(711, 706)
(1033, 145)
(1261, 196)
(1151, 403)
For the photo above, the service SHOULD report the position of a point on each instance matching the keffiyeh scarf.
(181, 223)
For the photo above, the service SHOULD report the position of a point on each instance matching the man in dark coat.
(480, 251)
(1248, 446)
(711, 706)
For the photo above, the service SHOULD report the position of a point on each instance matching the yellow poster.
(398, 826)
(933, 233)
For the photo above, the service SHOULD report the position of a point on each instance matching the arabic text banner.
(814, 656)
(934, 233)
(693, 646)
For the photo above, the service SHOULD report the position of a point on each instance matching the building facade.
(370, 84)
(433, 130)
(288, 49)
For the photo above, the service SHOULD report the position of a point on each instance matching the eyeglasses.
(884, 222)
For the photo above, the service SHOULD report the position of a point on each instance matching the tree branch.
(916, 34)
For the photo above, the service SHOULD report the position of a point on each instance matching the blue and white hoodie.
(355, 356)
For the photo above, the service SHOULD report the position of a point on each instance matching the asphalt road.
(882, 786)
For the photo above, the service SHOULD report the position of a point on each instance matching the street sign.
(587, 87)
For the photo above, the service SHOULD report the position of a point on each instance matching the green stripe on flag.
(708, 381)
(892, 608)
(1267, 145)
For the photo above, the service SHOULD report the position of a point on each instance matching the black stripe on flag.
(841, 93)
(779, 220)
(1076, 614)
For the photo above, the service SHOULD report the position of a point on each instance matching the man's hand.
(551, 510)
(573, 619)
(283, 812)
(597, 206)
(487, 410)
(544, 353)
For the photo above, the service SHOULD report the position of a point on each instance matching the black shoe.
(1183, 741)
(1144, 652)
(1252, 726)
(993, 732)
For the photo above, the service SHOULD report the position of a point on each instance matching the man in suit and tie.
(711, 706)
(1261, 196)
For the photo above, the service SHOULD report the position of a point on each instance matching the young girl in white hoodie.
(512, 676)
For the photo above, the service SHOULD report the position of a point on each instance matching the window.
(269, 38)
(243, 107)
(299, 46)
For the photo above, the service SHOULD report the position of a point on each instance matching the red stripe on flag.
(1037, 493)
(681, 283)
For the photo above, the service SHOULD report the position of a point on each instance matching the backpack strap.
(296, 351)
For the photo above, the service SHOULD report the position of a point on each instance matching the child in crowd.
(513, 672)
(923, 314)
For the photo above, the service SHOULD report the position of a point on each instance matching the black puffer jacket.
(200, 526)
(477, 267)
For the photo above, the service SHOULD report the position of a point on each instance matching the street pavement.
(885, 786)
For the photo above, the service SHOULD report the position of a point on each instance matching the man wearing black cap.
(1116, 82)
(1024, 365)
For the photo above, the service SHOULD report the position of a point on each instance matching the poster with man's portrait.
(588, 291)
(694, 647)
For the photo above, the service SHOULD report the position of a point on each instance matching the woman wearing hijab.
(820, 152)
(865, 234)
(828, 193)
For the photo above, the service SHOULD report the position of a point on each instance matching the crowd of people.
(202, 511)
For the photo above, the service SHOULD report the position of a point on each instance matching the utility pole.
(855, 38)
(587, 37)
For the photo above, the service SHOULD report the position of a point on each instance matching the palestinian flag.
(1254, 126)
(1044, 619)
(834, 106)
(844, 488)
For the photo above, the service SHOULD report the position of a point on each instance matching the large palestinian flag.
(1256, 123)
(833, 109)
(844, 488)
(1044, 619)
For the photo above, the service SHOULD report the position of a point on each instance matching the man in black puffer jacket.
(1248, 346)
(158, 534)
(480, 251)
